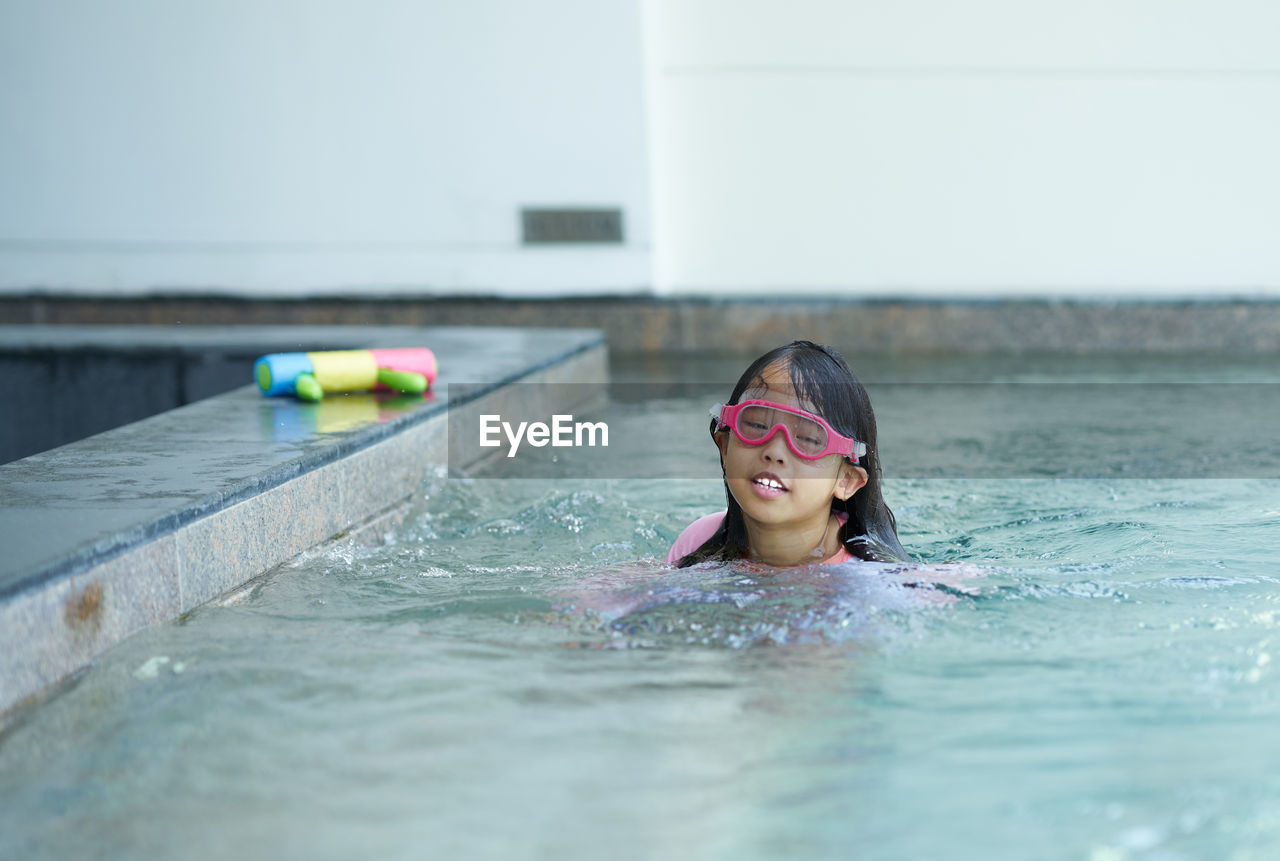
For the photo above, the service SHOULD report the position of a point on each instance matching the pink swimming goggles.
(809, 436)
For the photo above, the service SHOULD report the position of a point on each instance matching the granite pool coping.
(140, 524)
(645, 324)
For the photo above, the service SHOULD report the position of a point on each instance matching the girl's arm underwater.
(946, 574)
(694, 536)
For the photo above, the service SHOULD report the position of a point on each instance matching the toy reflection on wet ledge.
(295, 421)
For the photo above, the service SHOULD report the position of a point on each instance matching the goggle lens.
(755, 423)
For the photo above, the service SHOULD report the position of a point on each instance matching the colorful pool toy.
(310, 375)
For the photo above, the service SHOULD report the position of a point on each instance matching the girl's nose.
(775, 448)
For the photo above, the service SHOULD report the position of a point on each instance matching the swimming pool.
(512, 674)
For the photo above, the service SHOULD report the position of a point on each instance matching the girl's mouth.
(768, 485)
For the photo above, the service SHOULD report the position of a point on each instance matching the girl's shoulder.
(694, 536)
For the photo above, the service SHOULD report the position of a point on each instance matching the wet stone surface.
(70, 507)
(134, 526)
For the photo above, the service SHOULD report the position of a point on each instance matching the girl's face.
(775, 486)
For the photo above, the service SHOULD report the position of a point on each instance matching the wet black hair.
(821, 377)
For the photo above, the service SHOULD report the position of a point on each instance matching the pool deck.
(138, 525)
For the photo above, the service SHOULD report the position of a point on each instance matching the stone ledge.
(639, 324)
(137, 525)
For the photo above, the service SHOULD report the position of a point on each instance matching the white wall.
(313, 146)
(993, 147)
(827, 147)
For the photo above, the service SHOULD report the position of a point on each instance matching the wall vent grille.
(557, 226)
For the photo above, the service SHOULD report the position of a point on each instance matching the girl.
(797, 443)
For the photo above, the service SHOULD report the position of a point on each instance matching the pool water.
(1082, 668)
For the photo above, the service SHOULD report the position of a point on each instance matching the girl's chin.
(770, 511)
(778, 511)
